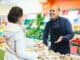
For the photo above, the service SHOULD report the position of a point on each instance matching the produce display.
(33, 28)
(45, 54)
(2, 43)
(2, 46)
(1, 39)
(75, 42)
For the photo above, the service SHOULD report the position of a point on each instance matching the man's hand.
(59, 39)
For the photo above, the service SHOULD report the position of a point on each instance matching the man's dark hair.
(14, 14)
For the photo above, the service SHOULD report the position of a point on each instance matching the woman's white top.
(16, 44)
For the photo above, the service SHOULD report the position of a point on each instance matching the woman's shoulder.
(12, 27)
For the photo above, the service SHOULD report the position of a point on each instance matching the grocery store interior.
(35, 12)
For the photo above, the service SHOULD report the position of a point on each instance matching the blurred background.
(36, 15)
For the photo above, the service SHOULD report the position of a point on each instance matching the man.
(60, 32)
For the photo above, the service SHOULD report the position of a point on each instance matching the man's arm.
(69, 31)
(68, 28)
(45, 35)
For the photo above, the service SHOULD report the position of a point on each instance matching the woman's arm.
(9, 49)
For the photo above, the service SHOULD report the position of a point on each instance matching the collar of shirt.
(54, 20)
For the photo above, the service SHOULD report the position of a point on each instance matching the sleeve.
(7, 36)
(45, 34)
(69, 31)
(9, 49)
(21, 47)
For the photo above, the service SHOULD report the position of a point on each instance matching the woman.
(15, 40)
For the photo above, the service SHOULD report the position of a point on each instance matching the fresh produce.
(75, 41)
(1, 39)
(35, 32)
(45, 54)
